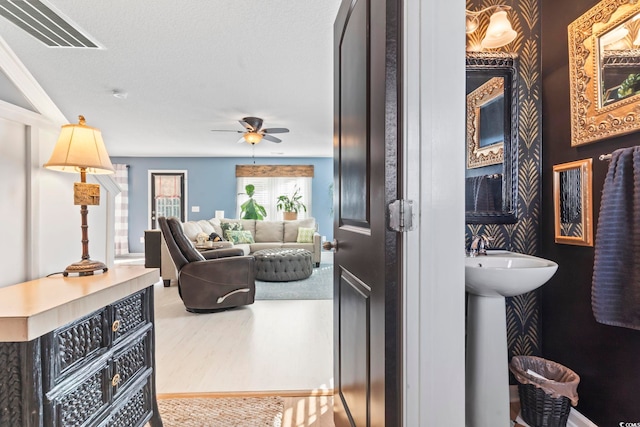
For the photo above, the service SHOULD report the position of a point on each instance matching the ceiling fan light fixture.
(252, 137)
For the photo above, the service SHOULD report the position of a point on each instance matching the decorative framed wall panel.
(573, 203)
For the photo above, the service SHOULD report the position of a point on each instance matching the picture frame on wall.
(573, 203)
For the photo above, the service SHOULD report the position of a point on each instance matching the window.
(269, 188)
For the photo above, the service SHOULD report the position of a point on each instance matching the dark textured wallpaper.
(522, 311)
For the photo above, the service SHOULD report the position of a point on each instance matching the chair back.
(180, 248)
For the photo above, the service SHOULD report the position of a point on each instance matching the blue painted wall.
(211, 184)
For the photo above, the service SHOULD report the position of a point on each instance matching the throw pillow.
(305, 235)
(230, 226)
(240, 236)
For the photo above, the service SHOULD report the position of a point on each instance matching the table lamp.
(80, 148)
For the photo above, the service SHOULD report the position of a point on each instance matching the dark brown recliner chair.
(211, 280)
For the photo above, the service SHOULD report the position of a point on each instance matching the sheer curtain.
(122, 210)
(267, 192)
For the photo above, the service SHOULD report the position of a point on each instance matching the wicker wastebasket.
(544, 402)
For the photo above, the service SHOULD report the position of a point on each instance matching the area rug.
(317, 286)
(222, 412)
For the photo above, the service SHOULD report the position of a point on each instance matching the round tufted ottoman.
(283, 265)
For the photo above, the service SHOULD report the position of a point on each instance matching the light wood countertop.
(31, 309)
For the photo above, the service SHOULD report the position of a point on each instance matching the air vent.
(43, 23)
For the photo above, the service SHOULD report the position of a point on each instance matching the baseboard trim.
(266, 393)
(576, 419)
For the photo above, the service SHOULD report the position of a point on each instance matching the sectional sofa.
(249, 235)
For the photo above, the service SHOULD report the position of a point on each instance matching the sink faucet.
(479, 245)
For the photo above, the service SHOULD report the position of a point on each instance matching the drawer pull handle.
(115, 380)
(115, 326)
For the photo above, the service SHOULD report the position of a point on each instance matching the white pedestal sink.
(489, 279)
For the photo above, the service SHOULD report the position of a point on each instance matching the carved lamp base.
(86, 267)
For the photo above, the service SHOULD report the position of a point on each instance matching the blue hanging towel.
(615, 291)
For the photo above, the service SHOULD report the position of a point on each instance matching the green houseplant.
(290, 205)
(251, 209)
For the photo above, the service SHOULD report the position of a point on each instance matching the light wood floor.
(267, 346)
(280, 348)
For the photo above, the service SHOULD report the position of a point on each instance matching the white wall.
(13, 201)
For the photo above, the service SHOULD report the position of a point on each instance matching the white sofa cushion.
(249, 224)
(307, 246)
(215, 223)
(291, 228)
(206, 226)
(269, 231)
(265, 245)
(191, 229)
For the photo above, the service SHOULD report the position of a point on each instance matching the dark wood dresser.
(79, 351)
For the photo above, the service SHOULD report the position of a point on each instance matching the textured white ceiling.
(191, 66)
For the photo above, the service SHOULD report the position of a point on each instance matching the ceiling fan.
(253, 132)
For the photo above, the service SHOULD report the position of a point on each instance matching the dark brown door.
(167, 196)
(367, 295)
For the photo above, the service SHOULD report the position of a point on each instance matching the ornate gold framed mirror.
(604, 71)
(485, 124)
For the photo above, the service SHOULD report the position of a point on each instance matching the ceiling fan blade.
(275, 130)
(246, 125)
(255, 123)
(271, 138)
(241, 140)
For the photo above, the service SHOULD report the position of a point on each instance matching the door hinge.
(401, 215)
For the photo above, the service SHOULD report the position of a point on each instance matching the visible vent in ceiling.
(41, 22)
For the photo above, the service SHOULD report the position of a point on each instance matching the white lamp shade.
(80, 146)
(499, 32)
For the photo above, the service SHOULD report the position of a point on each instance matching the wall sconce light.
(252, 137)
(80, 148)
(499, 31)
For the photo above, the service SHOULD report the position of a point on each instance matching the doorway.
(167, 196)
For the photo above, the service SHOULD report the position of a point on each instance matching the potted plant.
(290, 205)
(251, 209)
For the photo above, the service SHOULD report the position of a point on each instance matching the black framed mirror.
(491, 172)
